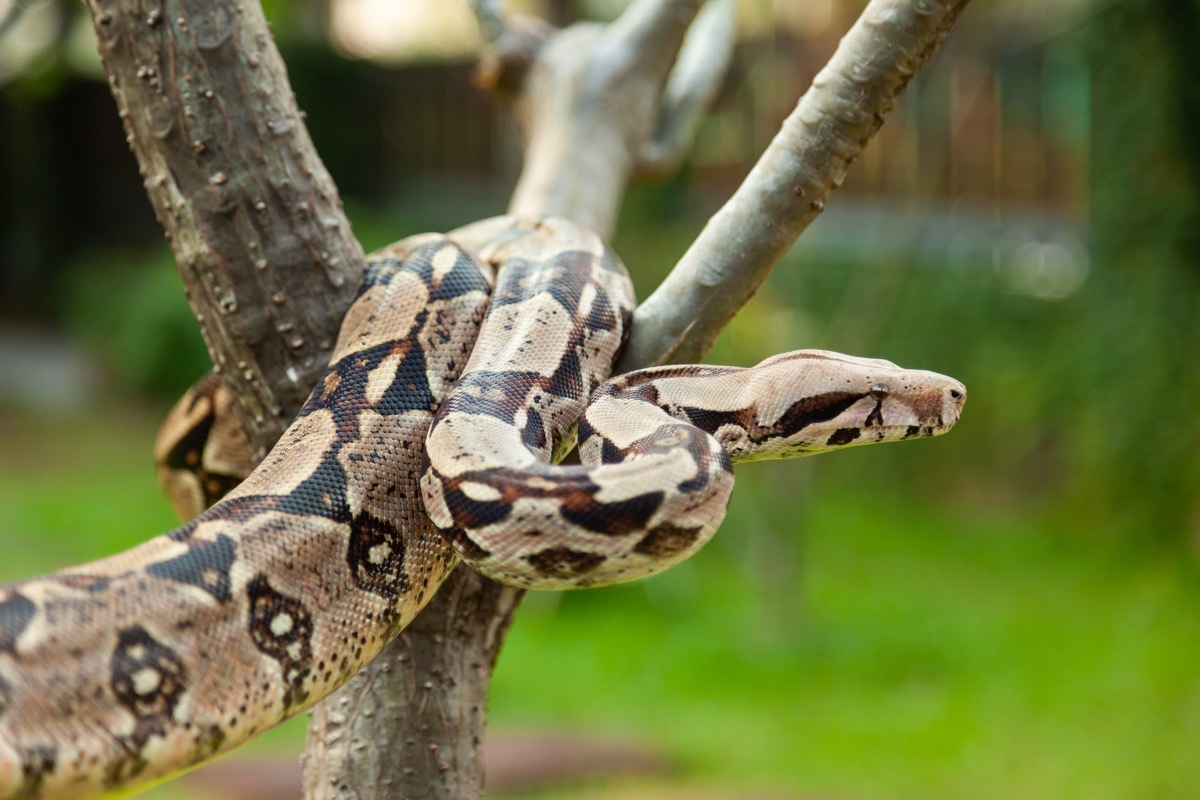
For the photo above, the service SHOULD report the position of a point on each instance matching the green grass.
(855, 644)
(921, 656)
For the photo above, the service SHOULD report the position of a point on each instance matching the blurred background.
(1012, 611)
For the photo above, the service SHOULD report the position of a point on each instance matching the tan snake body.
(126, 669)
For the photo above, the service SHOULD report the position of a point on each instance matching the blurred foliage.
(129, 309)
(1134, 387)
(923, 656)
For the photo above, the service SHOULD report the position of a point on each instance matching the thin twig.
(692, 86)
(492, 19)
(648, 34)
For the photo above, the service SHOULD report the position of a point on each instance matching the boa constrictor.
(135, 666)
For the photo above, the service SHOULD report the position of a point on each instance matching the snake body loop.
(657, 445)
(136, 666)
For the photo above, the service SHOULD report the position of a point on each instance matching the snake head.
(814, 401)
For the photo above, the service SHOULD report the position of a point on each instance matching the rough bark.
(411, 724)
(265, 252)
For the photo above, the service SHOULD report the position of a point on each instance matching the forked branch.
(589, 108)
(695, 79)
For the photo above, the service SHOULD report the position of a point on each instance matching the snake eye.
(879, 391)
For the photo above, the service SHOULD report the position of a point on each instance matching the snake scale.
(133, 667)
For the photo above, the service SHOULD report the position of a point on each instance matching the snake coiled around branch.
(133, 667)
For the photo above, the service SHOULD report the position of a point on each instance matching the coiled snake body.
(133, 667)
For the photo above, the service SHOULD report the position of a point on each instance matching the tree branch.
(265, 252)
(492, 20)
(647, 36)
(590, 106)
(511, 44)
(691, 88)
(848, 102)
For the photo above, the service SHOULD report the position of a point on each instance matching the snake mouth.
(928, 427)
(877, 434)
(917, 431)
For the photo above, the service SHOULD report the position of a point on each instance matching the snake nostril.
(957, 394)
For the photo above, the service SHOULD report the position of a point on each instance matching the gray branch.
(848, 102)
(511, 45)
(410, 724)
(647, 36)
(692, 86)
(491, 17)
(589, 108)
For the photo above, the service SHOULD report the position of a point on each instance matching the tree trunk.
(411, 724)
(265, 252)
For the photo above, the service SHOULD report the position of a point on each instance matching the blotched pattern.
(129, 668)
(657, 446)
(135, 666)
